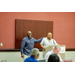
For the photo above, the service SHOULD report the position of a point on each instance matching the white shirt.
(49, 53)
(45, 42)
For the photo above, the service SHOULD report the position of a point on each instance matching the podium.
(61, 53)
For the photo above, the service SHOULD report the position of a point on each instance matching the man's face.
(29, 34)
(49, 36)
(56, 51)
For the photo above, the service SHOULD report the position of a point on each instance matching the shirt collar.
(32, 57)
(28, 37)
(47, 38)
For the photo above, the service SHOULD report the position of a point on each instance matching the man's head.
(56, 50)
(29, 33)
(49, 35)
(53, 58)
(35, 53)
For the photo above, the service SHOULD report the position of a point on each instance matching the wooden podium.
(61, 53)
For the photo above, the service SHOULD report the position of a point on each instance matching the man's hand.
(22, 55)
(44, 48)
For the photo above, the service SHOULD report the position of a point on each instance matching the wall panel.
(38, 28)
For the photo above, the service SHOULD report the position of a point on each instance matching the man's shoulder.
(52, 39)
(44, 39)
(32, 38)
(47, 54)
(30, 59)
(25, 38)
(50, 52)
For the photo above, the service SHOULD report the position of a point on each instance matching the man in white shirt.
(56, 50)
(48, 41)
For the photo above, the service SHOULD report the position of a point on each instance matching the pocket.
(32, 42)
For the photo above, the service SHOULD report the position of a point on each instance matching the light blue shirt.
(28, 44)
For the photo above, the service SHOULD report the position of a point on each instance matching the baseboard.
(40, 49)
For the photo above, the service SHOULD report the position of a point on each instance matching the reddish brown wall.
(63, 26)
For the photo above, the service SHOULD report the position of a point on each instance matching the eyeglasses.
(29, 33)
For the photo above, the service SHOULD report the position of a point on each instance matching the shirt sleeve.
(55, 43)
(37, 41)
(22, 46)
(42, 42)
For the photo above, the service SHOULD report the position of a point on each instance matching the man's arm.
(22, 45)
(43, 47)
(37, 41)
(42, 43)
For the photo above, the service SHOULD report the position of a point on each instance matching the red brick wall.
(63, 29)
